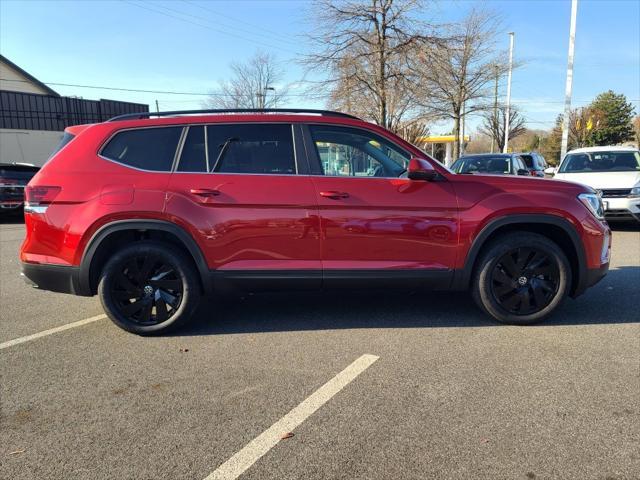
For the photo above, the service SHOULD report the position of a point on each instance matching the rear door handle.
(334, 195)
(205, 192)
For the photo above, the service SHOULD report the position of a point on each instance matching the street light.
(262, 97)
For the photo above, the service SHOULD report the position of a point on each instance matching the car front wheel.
(521, 278)
(149, 288)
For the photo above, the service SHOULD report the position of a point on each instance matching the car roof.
(505, 155)
(613, 148)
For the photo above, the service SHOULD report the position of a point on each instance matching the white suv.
(613, 171)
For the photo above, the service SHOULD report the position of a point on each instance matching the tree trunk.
(456, 134)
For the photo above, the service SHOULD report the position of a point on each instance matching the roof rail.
(140, 115)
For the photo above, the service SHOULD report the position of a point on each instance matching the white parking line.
(44, 333)
(256, 448)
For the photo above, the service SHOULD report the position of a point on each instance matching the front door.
(237, 187)
(376, 224)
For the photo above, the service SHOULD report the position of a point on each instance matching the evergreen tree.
(615, 117)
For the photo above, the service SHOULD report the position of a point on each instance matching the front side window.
(145, 148)
(353, 152)
(611, 161)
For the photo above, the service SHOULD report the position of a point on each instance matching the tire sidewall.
(190, 294)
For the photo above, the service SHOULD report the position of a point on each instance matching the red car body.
(301, 230)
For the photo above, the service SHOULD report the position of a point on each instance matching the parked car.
(614, 172)
(535, 163)
(13, 178)
(491, 164)
(152, 211)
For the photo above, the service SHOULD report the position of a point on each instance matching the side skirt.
(256, 280)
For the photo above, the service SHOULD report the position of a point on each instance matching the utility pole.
(495, 108)
(462, 120)
(507, 112)
(569, 86)
(157, 107)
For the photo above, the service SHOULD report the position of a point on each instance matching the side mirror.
(522, 171)
(550, 171)
(420, 169)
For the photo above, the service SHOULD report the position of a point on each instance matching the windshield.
(611, 161)
(498, 164)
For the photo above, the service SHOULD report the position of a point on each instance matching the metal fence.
(30, 111)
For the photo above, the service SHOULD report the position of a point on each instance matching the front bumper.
(621, 208)
(55, 278)
(591, 277)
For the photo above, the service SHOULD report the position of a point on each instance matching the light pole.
(507, 112)
(569, 86)
(262, 97)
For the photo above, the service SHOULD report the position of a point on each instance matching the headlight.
(635, 192)
(594, 203)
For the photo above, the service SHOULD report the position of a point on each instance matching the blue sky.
(187, 46)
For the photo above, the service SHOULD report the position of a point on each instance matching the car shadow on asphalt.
(11, 218)
(613, 300)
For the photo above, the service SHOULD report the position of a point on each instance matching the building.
(33, 115)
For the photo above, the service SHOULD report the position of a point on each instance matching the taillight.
(40, 195)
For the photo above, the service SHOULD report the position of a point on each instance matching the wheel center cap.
(148, 290)
(522, 281)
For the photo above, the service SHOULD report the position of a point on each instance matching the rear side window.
(145, 148)
(194, 152)
(251, 148)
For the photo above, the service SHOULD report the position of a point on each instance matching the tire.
(149, 288)
(521, 278)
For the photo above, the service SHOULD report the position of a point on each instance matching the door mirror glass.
(420, 169)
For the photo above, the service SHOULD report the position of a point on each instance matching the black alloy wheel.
(147, 290)
(149, 287)
(525, 280)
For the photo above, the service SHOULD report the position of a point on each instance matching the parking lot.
(423, 386)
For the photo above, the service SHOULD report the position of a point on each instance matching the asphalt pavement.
(445, 392)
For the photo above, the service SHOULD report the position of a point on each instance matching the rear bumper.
(55, 278)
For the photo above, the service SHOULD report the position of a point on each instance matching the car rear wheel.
(521, 278)
(149, 288)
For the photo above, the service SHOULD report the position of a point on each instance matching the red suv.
(152, 211)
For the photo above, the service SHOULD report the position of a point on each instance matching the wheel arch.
(557, 229)
(112, 234)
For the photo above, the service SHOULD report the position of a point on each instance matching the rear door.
(375, 224)
(239, 188)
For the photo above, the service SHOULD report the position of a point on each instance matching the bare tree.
(365, 46)
(493, 125)
(456, 81)
(253, 84)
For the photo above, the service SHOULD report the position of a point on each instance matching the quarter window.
(146, 148)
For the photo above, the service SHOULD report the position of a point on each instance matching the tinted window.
(194, 155)
(357, 153)
(251, 148)
(146, 148)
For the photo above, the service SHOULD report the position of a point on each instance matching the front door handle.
(205, 192)
(334, 195)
